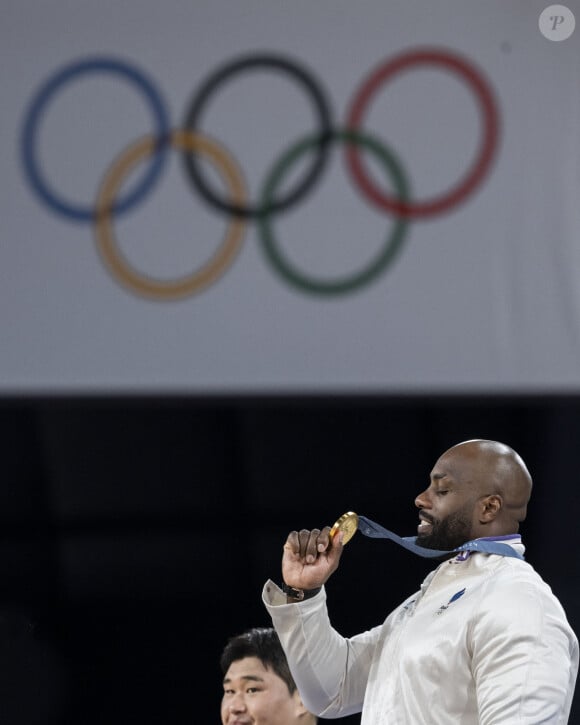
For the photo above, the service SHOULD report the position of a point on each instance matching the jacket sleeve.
(330, 671)
(524, 656)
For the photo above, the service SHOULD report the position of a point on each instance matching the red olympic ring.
(488, 145)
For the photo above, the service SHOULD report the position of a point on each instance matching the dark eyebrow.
(248, 678)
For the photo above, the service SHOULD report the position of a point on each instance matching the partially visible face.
(447, 507)
(254, 695)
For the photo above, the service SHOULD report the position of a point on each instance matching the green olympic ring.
(357, 279)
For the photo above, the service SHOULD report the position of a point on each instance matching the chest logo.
(454, 598)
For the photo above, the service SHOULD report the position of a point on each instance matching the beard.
(447, 534)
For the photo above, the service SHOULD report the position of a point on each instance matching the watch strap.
(299, 595)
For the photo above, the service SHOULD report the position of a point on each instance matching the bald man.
(484, 641)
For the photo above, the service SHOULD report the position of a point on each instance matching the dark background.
(136, 533)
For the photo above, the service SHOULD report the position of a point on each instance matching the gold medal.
(348, 524)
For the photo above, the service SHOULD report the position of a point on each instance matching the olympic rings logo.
(193, 145)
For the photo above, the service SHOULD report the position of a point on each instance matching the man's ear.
(299, 708)
(490, 507)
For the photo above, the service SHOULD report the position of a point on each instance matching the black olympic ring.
(321, 106)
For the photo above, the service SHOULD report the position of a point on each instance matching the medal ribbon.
(487, 546)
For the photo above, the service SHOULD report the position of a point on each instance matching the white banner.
(315, 196)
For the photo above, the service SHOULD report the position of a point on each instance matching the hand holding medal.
(310, 557)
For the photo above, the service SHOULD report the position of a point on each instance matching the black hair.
(263, 643)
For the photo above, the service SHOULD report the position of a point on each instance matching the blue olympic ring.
(31, 125)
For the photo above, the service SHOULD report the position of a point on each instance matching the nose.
(237, 704)
(423, 501)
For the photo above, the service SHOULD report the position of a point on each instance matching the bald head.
(493, 468)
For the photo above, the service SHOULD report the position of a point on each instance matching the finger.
(292, 543)
(324, 540)
(336, 547)
(308, 544)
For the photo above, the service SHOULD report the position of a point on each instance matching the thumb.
(335, 549)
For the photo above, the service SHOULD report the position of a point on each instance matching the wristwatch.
(299, 595)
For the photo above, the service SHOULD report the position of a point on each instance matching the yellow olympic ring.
(120, 267)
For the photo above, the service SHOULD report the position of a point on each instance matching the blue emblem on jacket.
(454, 598)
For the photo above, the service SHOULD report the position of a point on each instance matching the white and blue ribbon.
(485, 545)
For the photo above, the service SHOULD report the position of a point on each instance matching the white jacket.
(483, 642)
